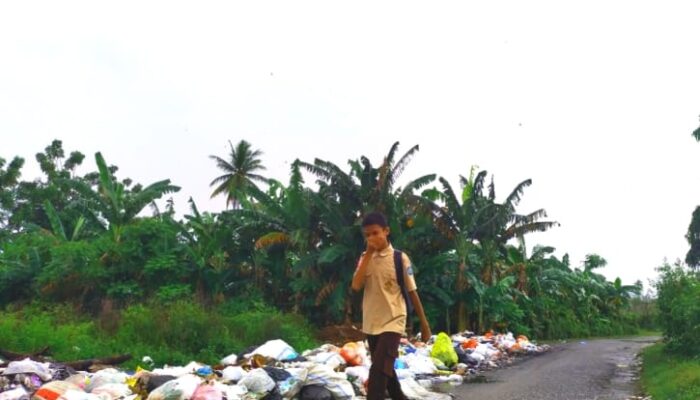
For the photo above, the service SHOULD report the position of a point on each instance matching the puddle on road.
(624, 384)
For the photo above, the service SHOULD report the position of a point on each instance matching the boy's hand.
(425, 333)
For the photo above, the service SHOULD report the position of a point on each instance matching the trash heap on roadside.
(273, 371)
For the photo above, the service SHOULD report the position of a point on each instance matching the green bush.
(678, 291)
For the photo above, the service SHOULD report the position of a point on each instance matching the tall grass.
(670, 377)
(173, 333)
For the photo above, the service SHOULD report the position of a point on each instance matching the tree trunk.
(83, 365)
(462, 319)
(12, 356)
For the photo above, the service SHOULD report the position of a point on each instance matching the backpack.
(398, 266)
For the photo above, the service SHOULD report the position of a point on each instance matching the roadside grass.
(669, 377)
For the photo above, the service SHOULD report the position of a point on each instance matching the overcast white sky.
(594, 101)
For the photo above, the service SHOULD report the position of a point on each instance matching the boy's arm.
(358, 280)
(425, 333)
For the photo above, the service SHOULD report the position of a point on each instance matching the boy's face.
(376, 236)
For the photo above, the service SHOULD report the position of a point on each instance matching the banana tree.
(113, 205)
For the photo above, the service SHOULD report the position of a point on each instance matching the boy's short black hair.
(375, 218)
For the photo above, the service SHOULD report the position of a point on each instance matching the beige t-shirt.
(383, 306)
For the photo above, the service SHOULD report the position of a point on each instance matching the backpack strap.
(398, 266)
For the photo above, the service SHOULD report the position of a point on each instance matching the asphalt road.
(579, 370)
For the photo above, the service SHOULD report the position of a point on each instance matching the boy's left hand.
(425, 333)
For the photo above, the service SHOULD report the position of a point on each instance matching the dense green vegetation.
(672, 369)
(100, 245)
(678, 290)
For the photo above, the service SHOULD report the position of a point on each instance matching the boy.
(384, 310)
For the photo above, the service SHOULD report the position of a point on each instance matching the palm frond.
(56, 224)
(524, 229)
(450, 199)
(402, 164)
(479, 183)
(514, 198)
(316, 170)
(418, 183)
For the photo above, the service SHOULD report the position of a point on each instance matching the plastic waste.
(204, 371)
(18, 393)
(207, 392)
(79, 379)
(258, 381)
(360, 372)
(178, 371)
(105, 376)
(292, 385)
(404, 374)
(336, 382)
(181, 388)
(78, 395)
(53, 390)
(231, 359)
(28, 366)
(233, 374)
(315, 392)
(277, 349)
(112, 391)
(443, 350)
(331, 359)
(413, 390)
(419, 364)
(232, 392)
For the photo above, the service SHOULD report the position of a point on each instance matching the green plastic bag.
(443, 350)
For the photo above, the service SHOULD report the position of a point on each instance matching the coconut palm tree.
(240, 173)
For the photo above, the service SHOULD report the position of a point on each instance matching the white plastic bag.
(415, 391)
(52, 390)
(112, 391)
(404, 374)
(181, 388)
(78, 395)
(233, 374)
(277, 349)
(232, 392)
(104, 377)
(27, 366)
(336, 382)
(419, 364)
(15, 394)
(360, 372)
(292, 385)
(178, 371)
(331, 359)
(231, 359)
(258, 381)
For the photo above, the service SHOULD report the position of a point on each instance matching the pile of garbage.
(272, 371)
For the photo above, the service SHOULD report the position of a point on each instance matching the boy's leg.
(382, 376)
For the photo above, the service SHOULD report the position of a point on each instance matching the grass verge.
(669, 377)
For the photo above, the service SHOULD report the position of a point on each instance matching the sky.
(594, 101)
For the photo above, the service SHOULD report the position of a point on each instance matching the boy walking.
(384, 310)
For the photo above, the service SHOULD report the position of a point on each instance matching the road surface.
(578, 370)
